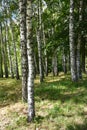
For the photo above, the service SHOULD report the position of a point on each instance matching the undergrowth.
(60, 104)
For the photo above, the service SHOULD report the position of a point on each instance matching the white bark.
(23, 40)
(71, 41)
(79, 72)
(31, 105)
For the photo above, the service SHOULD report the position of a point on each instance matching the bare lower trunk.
(79, 72)
(83, 54)
(15, 52)
(24, 60)
(1, 53)
(45, 53)
(64, 62)
(39, 41)
(40, 56)
(5, 54)
(9, 53)
(31, 105)
(72, 42)
(10, 60)
(83, 45)
(1, 68)
(35, 66)
(55, 65)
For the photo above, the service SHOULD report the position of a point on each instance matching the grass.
(60, 105)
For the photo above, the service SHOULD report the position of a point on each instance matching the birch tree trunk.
(9, 52)
(83, 45)
(5, 54)
(1, 75)
(10, 61)
(79, 72)
(55, 64)
(64, 62)
(1, 53)
(15, 52)
(45, 52)
(31, 105)
(83, 54)
(39, 36)
(72, 42)
(23, 39)
(35, 66)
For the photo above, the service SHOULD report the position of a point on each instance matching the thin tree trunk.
(83, 45)
(55, 64)
(68, 62)
(36, 66)
(1, 75)
(39, 36)
(5, 54)
(24, 60)
(10, 60)
(79, 72)
(64, 62)
(71, 42)
(15, 52)
(9, 53)
(1, 57)
(31, 105)
(45, 53)
(83, 54)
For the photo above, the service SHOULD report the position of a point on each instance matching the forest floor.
(60, 104)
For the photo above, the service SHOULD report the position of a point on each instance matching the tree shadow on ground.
(82, 126)
(63, 90)
(10, 92)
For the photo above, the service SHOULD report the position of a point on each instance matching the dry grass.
(59, 103)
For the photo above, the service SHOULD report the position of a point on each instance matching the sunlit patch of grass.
(60, 104)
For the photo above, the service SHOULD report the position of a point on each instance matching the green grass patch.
(60, 105)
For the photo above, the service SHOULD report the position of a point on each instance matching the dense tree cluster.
(51, 37)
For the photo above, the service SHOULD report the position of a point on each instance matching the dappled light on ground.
(60, 105)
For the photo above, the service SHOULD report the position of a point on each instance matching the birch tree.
(39, 41)
(9, 51)
(1, 53)
(72, 42)
(15, 51)
(23, 39)
(5, 53)
(79, 72)
(31, 105)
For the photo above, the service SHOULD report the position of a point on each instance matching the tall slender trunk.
(1, 75)
(39, 36)
(15, 52)
(55, 64)
(83, 54)
(45, 52)
(9, 53)
(79, 72)
(64, 62)
(36, 66)
(23, 39)
(69, 66)
(1, 57)
(5, 54)
(72, 42)
(31, 105)
(11, 62)
(83, 45)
